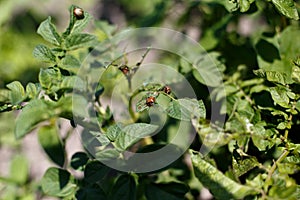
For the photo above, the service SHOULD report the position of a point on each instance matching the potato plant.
(145, 135)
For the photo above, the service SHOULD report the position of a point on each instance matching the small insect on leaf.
(78, 13)
(124, 69)
(167, 89)
(150, 101)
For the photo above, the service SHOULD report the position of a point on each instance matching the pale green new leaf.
(17, 92)
(219, 185)
(32, 90)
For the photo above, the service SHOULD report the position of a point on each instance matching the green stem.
(273, 168)
(286, 132)
(130, 109)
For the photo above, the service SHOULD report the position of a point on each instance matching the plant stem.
(273, 168)
(131, 111)
(286, 132)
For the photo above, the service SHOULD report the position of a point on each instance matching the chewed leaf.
(141, 105)
(287, 8)
(242, 165)
(185, 109)
(77, 23)
(219, 185)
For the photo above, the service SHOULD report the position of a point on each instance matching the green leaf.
(170, 191)
(4, 95)
(51, 143)
(258, 89)
(76, 25)
(70, 63)
(107, 155)
(79, 160)
(229, 5)
(48, 31)
(185, 109)
(49, 77)
(288, 168)
(287, 8)
(284, 192)
(89, 193)
(296, 74)
(58, 183)
(107, 28)
(113, 131)
(293, 159)
(298, 105)
(132, 133)
(79, 40)
(280, 97)
(219, 185)
(141, 104)
(272, 76)
(72, 82)
(79, 25)
(34, 112)
(245, 5)
(32, 90)
(262, 138)
(289, 45)
(124, 188)
(276, 77)
(283, 125)
(102, 138)
(208, 70)
(95, 171)
(243, 164)
(17, 94)
(43, 53)
(19, 169)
